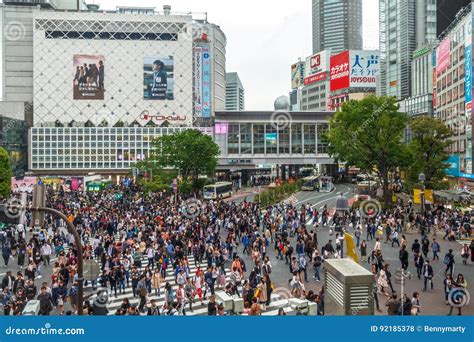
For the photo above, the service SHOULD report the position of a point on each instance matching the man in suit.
(7, 281)
(428, 274)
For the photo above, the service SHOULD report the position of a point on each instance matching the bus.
(217, 191)
(310, 184)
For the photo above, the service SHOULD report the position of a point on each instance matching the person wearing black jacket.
(428, 274)
(8, 280)
(46, 302)
(403, 256)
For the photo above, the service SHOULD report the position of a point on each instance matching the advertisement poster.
(198, 82)
(468, 69)
(316, 67)
(89, 74)
(206, 82)
(297, 72)
(158, 78)
(443, 55)
(23, 185)
(340, 71)
(365, 68)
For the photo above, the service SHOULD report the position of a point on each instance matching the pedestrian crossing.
(114, 302)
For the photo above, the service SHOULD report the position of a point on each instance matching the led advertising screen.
(158, 78)
(89, 74)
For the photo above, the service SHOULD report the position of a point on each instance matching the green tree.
(5, 174)
(368, 134)
(190, 152)
(430, 139)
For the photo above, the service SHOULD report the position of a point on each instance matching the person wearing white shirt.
(46, 253)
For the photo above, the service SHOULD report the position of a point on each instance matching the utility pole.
(39, 209)
(400, 277)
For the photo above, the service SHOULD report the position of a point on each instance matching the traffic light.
(39, 201)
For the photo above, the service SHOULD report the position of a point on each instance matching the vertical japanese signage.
(206, 81)
(468, 68)
(198, 82)
(435, 83)
(365, 68)
(340, 71)
(443, 55)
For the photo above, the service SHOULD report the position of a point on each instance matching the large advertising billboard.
(25, 184)
(206, 82)
(468, 68)
(340, 71)
(443, 55)
(198, 81)
(317, 63)
(89, 74)
(297, 73)
(158, 78)
(365, 68)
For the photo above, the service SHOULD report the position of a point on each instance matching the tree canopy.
(5, 174)
(190, 152)
(369, 134)
(430, 139)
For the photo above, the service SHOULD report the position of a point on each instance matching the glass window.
(246, 138)
(296, 139)
(284, 140)
(271, 139)
(258, 139)
(322, 146)
(309, 139)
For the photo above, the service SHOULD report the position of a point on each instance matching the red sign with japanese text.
(340, 71)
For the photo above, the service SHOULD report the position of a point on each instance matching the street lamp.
(422, 179)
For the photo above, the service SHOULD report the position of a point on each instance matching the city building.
(282, 140)
(405, 25)
(315, 91)
(337, 25)
(423, 76)
(235, 93)
(14, 139)
(209, 76)
(453, 93)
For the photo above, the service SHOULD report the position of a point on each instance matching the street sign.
(91, 270)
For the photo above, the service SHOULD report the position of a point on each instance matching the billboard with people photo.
(89, 73)
(158, 78)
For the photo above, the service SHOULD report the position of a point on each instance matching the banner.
(158, 78)
(340, 71)
(428, 194)
(206, 82)
(468, 68)
(23, 185)
(365, 68)
(297, 72)
(329, 328)
(89, 74)
(198, 82)
(443, 55)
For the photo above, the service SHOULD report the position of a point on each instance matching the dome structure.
(282, 103)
